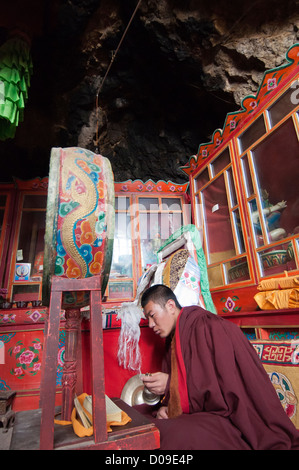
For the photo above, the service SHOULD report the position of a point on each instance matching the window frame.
(135, 209)
(234, 205)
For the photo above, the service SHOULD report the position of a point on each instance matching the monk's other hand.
(162, 413)
(156, 382)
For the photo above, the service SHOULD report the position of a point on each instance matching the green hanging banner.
(15, 73)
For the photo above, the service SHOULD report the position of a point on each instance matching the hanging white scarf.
(130, 314)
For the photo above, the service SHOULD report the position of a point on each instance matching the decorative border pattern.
(150, 186)
(23, 316)
(36, 184)
(279, 353)
(41, 184)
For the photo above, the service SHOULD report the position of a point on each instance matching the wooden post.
(48, 387)
(97, 368)
(69, 376)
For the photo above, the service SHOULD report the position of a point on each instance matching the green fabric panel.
(15, 72)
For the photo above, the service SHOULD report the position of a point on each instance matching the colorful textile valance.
(192, 234)
(15, 73)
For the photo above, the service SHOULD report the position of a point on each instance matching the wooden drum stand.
(48, 382)
(140, 433)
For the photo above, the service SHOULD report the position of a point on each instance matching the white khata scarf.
(130, 315)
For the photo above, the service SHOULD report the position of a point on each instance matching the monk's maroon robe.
(227, 398)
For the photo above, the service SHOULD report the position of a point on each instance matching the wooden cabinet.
(22, 239)
(244, 190)
(146, 215)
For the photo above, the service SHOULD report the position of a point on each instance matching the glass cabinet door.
(6, 215)
(142, 225)
(4, 207)
(159, 218)
(3, 201)
(218, 217)
(219, 234)
(27, 269)
(271, 171)
(121, 284)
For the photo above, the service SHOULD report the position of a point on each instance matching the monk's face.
(161, 319)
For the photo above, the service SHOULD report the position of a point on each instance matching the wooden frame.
(135, 191)
(36, 187)
(7, 190)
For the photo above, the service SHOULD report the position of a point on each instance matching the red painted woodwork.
(23, 329)
(265, 318)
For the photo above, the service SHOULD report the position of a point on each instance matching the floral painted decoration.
(230, 304)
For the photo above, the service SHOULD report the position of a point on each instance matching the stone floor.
(5, 439)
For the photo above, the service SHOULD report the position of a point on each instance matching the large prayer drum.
(79, 221)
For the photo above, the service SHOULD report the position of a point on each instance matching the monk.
(217, 395)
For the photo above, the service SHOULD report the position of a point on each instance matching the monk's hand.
(162, 413)
(155, 383)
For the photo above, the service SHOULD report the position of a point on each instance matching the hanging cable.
(107, 72)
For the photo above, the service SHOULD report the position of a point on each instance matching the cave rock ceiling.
(181, 67)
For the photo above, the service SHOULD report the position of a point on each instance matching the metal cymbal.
(135, 393)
